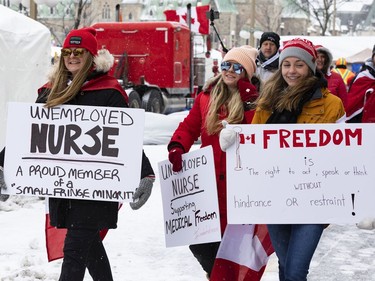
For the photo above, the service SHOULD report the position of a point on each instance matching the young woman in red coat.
(81, 78)
(227, 96)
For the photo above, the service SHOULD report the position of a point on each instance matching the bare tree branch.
(320, 10)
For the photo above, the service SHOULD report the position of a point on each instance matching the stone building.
(235, 16)
(239, 20)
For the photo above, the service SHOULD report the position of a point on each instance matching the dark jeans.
(83, 248)
(294, 246)
(205, 254)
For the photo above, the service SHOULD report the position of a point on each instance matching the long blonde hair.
(275, 95)
(61, 92)
(222, 101)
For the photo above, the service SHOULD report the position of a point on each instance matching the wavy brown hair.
(276, 95)
(63, 92)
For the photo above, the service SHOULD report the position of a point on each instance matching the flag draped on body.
(55, 238)
(199, 20)
(243, 253)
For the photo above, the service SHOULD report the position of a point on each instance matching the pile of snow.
(159, 127)
(137, 250)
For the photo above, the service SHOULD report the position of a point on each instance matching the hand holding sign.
(69, 151)
(227, 136)
(302, 173)
(142, 193)
(367, 223)
(191, 210)
(175, 157)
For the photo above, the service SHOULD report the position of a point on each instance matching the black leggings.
(205, 254)
(83, 248)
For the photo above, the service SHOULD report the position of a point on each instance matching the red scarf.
(100, 83)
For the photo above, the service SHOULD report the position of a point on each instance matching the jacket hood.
(324, 50)
(103, 62)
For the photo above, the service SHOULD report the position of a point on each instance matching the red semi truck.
(154, 63)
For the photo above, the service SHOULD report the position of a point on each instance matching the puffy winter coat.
(191, 129)
(337, 86)
(327, 109)
(361, 96)
(100, 89)
(74, 213)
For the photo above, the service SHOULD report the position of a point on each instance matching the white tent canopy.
(25, 55)
(360, 57)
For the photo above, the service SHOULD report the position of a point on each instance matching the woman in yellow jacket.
(297, 93)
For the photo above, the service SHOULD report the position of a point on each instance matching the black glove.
(142, 193)
(3, 186)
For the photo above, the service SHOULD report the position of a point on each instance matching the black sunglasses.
(237, 68)
(76, 52)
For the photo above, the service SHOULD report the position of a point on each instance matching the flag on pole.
(199, 20)
(243, 253)
(55, 238)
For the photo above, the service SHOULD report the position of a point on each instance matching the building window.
(106, 13)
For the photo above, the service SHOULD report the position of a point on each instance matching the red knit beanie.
(302, 49)
(82, 38)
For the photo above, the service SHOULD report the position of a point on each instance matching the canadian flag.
(247, 138)
(55, 238)
(243, 253)
(199, 21)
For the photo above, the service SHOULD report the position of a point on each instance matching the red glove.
(247, 90)
(175, 157)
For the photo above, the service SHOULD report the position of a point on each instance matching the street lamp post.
(334, 19)
(252, 23)
(33, 10)
(282, 26)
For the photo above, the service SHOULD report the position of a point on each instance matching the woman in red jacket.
(81, 78)
(336, 84)
(227, 96)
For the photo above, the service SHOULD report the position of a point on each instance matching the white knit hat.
(302, 49)
(245, 55)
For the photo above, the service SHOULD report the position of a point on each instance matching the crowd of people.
(293, 84)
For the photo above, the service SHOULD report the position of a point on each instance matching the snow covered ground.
(137, 251)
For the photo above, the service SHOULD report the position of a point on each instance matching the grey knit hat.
(302, 49)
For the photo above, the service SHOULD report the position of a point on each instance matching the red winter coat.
(361, 99)
(190, 129)
(337, 86)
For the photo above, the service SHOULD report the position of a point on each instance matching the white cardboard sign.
(301, 173)
(190, 204)
(68, 151)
